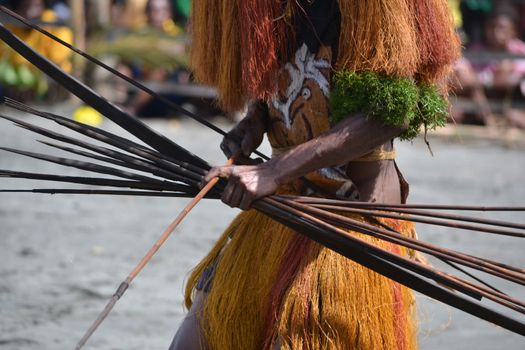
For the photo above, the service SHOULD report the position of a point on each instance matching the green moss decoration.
(394, 101)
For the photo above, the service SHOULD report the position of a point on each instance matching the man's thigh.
(189, 335)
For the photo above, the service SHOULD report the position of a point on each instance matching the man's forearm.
(350, 139)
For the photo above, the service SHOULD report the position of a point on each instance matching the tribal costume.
(314, 63)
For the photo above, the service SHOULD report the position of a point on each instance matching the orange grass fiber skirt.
(276, 289)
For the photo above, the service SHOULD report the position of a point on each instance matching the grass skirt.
(273, 288)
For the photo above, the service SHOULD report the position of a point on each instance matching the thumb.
(223, 172)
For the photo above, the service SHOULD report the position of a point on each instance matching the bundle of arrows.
(159, 167)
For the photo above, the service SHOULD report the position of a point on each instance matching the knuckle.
(235, 173)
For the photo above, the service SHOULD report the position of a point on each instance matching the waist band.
(375, 155)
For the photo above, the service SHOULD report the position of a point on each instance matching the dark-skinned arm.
(349, 139)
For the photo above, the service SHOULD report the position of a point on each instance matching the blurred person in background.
(20, 79)
(159, 15)
(116, 14)
(61, 10)
(500, 78)
(473, 17)
(159, 19)
(181, 11)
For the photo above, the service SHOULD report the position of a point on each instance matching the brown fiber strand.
(439, 45)
(215, 56)
(231, 92)
(236, 46)
(206, 30)
(378, 36)
(291, 263)
(262, 43)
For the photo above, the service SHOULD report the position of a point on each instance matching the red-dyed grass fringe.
(291, 262)
(263, 44)
(437, 42)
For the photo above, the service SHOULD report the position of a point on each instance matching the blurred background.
(143, 39)
(63, 256)
(147, 40)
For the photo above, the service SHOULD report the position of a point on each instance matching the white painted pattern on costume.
(306, 67)
(347, 190)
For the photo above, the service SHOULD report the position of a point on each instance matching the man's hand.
(246, 136)
(246, 183)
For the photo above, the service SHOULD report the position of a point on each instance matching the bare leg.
(189, 335)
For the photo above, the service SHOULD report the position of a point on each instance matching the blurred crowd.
(18, 78)
(491, 75)
(146, 40)
(143, 39)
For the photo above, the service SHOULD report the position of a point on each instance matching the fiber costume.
(315, 63)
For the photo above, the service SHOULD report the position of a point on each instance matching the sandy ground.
(63, 256)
